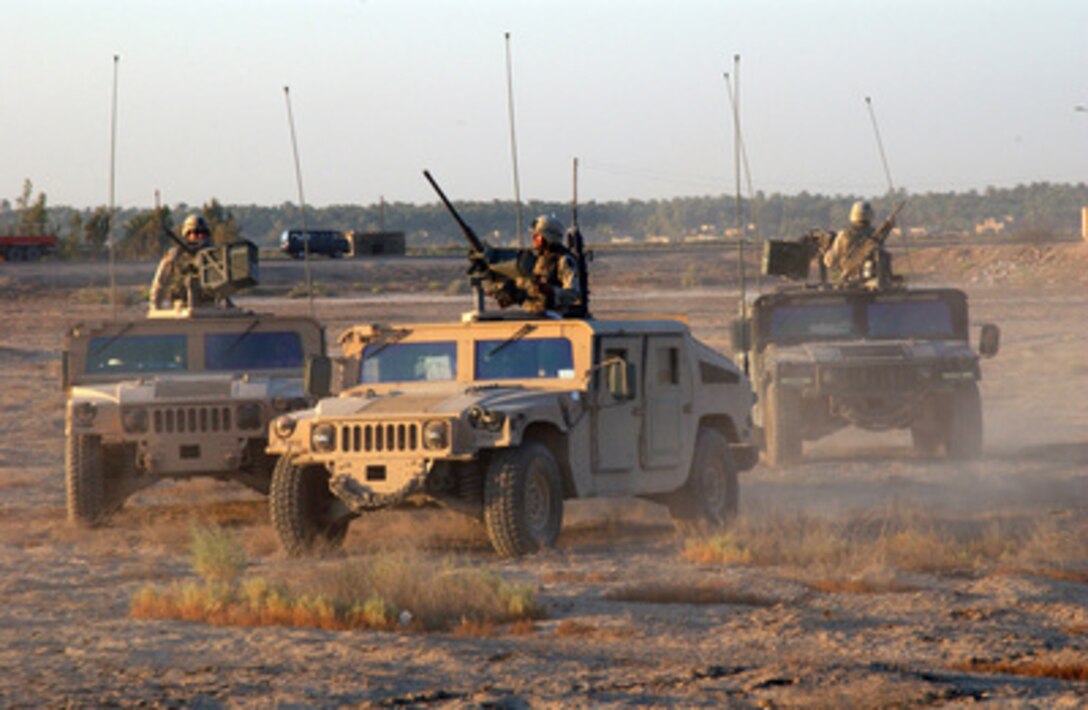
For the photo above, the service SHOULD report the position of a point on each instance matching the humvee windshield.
(524, 359)
(252, 351)
(137, 353)
(875, 318)
(409, 362)
(910, 319)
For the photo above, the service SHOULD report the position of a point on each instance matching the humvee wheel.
(523, 500)
(711, 496)
(782, 426)
(306, 515)
(925, 431)
(963, 431)
(84, 478)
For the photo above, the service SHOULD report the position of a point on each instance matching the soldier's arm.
(569, 289)
(162, 275)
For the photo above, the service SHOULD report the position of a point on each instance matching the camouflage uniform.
(851, 245)
(554, 284)
(171, 279)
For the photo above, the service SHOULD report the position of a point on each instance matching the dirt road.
(779, 635)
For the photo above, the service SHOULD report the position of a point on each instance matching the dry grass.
(861, 585)
(900, 540)
(385, 590)
(1071, 670)
(681, 593)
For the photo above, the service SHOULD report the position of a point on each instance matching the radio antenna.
(109, 224)
(887, 174)
(301, 202)
(747, 172)
(734, 96)
(513, 140)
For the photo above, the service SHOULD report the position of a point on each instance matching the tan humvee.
(502, 418)
(182, 394)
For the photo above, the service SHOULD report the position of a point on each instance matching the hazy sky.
(966, 93)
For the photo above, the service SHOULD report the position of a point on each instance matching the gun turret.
(494, 271)
(205, 276)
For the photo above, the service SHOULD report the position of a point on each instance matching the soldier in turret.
(848, 242)
(554, 283)
(170, 282)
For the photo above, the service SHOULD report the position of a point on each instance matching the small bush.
(217, 555)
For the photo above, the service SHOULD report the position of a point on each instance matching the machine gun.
(576, 244)
(492, 270)
(212, 274)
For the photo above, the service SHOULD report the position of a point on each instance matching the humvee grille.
(366, 438)
(874, 379)
(169, 420)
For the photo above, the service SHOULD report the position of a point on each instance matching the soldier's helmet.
(549, 227)
(195, 229)
(861, 213)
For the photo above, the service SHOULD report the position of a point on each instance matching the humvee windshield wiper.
(242, 336)
(516, 336)
(105, 346)
(394, 336)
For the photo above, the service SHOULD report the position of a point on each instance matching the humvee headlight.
(84, 413)
(436, 435)
(323, 438)
(249, 416)
(134, 421)
(284, 426)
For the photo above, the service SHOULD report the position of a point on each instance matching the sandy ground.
(66, 638)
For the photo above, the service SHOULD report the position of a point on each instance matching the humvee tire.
(711, 497)
(963, 430)
(523, 499)
(301, 505)
(926, 430)
(84, 479)
(782, 425)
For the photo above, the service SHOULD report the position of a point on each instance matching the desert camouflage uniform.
(554, 284)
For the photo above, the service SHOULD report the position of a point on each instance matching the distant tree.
(96, 230)
(144, 236)
(224, 227)
(32, 212)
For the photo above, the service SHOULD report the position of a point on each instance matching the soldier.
(846, 254)
(554, 283)
(169, 284)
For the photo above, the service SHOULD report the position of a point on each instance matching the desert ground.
(990, 606)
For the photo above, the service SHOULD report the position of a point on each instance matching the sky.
(966, 94)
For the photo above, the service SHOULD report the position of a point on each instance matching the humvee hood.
(869, 351)
(452, 401)
(182, 388)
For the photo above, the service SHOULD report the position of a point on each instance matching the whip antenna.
(513, 140)
(301, 202)
(887, 174)
(747, 173)
(735, 100)
(109, 223)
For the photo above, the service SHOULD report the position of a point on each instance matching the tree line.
(1038, 210)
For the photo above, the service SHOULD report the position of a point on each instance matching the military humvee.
(873, 356)
(503, 418)
(187, 392)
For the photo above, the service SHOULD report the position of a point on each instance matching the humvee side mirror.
(620, 376)
(317, 377)
(738, 335)
(989, 340)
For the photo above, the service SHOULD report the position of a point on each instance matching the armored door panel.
(617, 423)
(668, 389)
